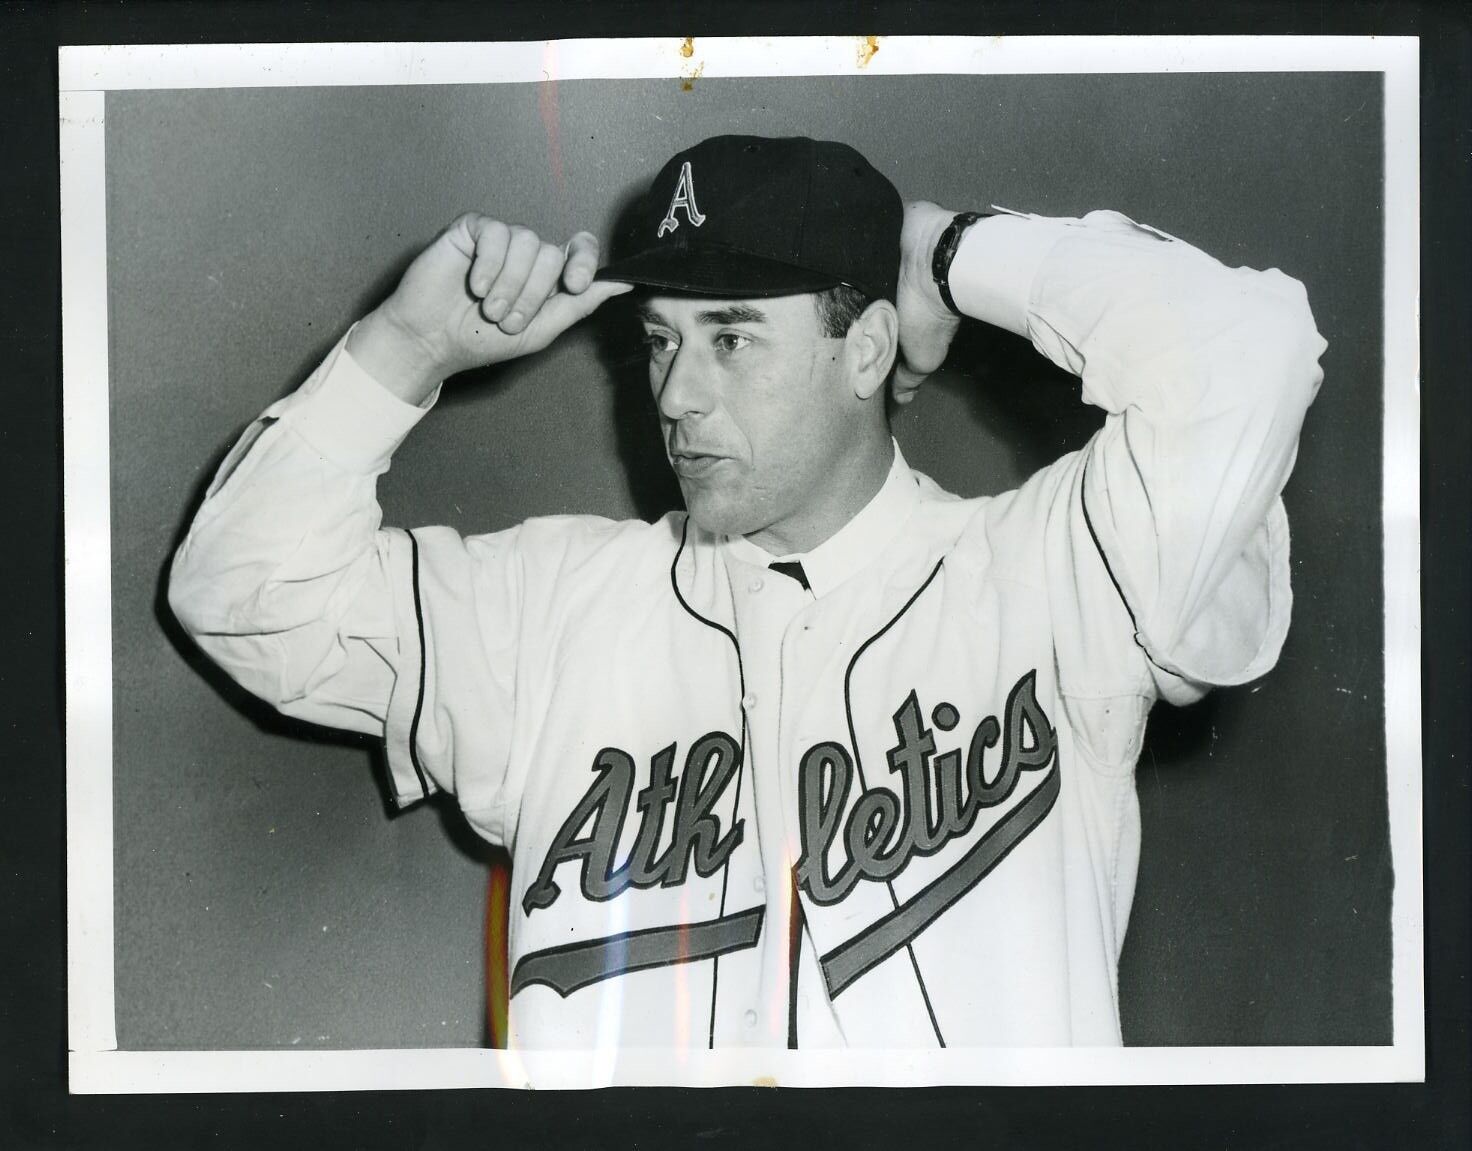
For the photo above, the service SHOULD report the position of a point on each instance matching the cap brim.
(715, 272)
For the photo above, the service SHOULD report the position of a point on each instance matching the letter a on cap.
(684, 198)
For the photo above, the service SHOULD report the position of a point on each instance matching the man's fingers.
(521, 254)
(541, 282)
(924, 359)
(515, 276)
(582, 262)
(906, 383)
(925, 338)
(598, 293)
(564, 310)
(491, 241)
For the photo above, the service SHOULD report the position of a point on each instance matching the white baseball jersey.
(933, 745)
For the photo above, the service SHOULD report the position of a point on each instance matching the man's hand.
(926, 324)
(482, 293)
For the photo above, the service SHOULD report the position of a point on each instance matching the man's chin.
(717, 516)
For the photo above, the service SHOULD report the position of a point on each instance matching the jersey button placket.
(794, 668)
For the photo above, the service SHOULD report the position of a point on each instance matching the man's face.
(754, 406)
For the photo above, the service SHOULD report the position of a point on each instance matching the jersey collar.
(857, 543)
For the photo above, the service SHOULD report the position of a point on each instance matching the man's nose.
(683, 391)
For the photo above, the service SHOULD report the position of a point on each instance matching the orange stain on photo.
(688, 78)
(498, 973)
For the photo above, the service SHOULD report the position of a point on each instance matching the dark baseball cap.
(750, 216)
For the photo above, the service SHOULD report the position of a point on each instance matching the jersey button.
(756, 584)
(750, 1018)
(748, 701)
(759, 884)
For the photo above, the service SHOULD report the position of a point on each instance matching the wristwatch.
(945, 252)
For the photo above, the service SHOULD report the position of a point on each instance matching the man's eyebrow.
(733, 314)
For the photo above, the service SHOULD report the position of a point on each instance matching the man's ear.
(870, 348)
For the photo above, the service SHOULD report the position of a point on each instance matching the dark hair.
(838, 307)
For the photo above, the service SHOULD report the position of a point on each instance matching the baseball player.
(830, 757)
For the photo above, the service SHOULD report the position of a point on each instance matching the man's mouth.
(692, 464)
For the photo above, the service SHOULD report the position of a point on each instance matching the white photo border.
(87, 73)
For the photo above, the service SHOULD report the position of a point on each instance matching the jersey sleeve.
(1173, 510)
(288, 580)
(459, 615)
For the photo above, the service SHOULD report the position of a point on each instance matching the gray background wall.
(265, 897)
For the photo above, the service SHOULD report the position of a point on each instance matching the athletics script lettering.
(940, 797)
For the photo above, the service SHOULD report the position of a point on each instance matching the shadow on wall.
(261, 714)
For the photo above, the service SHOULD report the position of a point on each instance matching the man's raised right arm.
(284, 576)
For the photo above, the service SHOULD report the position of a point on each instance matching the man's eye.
(731, 341)
(658, 344)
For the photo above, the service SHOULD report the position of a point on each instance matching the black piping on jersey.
(715, 971)
(848, 711)
(882, 938)
(423, 674)
(571, 966)
(1083, 502)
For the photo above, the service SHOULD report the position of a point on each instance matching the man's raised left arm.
(1206, 373)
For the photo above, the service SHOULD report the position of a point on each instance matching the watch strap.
(945, 252)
